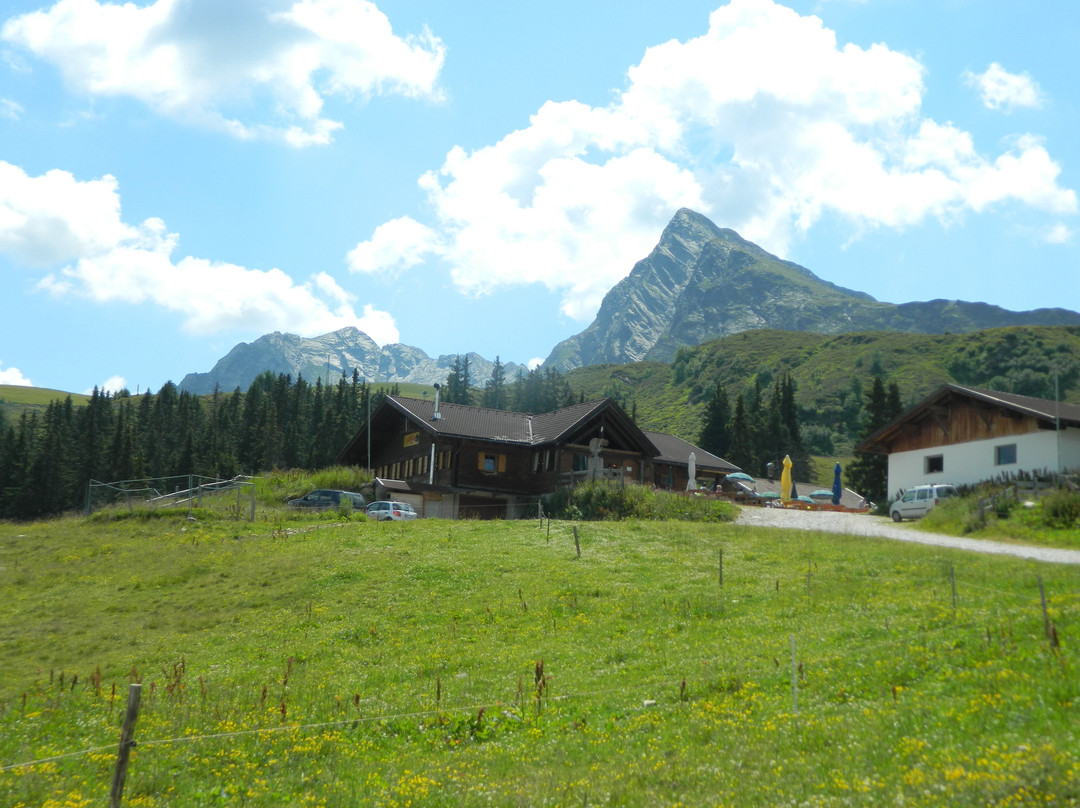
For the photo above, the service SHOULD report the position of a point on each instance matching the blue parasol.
(836, 485)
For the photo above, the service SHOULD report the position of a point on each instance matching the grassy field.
(312, 661)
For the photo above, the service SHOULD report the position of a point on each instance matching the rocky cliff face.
(327, 356)
(702, 282)
(639, 308)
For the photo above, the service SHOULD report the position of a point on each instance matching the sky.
(179, 176)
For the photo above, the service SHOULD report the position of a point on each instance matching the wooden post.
(794, 683)
(1046, 615)
(952, 581)
(577, 544)
(127, 740)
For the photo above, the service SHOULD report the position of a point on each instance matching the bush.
(1061, 508)
(598, 500)
(279, 487)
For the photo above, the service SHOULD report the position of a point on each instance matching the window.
(934, 464)
(491, 463)
(1005, 455)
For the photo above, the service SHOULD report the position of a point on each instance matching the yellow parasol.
(785, 480)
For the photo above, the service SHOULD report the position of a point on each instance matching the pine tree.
(495, 395)
(741, 448)
(869, 473)
(716, 432)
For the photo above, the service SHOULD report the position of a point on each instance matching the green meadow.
(330, 661)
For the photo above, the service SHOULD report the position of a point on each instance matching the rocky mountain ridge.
(327, 356)
(702, 282)
(699, 283)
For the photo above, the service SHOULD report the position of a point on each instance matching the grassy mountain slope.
(16, 399)
(825, 369)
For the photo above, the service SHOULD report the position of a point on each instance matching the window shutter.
(480, 461)
(502, 463)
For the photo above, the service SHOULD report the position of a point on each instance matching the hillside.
(830, 371)
(299, 660)
(16, 399)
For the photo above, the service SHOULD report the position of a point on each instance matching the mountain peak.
(702, 282)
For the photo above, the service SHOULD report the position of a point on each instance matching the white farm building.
(964, 435)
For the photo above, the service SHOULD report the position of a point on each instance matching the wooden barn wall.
(963, 421)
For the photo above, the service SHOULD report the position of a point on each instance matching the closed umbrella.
(785, 480)
(836, 485)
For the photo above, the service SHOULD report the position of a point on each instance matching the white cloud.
(9, 109)
(1000, 89)
(1058, 234)
(112, 385)
(14, 377)
(765, 122)
(396, 244)
(55, 219)
(223, 64)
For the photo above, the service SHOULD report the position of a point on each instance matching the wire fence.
(235, 496)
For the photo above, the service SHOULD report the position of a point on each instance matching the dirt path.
(859, 524)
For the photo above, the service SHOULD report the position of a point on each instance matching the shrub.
(1061, 508)
(598, 500)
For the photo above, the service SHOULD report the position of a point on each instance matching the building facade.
(965, 435)
(453, 460)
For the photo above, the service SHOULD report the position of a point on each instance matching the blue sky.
(179, 176)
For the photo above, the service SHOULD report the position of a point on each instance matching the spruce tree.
(495, 395)
(868, 474)
(716, 431)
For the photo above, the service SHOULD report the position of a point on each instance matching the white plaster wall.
(973, 462)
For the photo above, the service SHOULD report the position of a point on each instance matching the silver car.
(918, 500)
(389, 510)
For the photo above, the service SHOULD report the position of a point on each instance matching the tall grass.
(1053, 518)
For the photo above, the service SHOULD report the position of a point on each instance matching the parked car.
(918, 500)
(383, 510)
(323, 498)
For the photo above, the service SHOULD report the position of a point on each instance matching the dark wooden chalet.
(671, 466)
(452, 460)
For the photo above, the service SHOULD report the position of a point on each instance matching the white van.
(920, 499)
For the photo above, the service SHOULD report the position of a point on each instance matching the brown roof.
(1044, 409)
(676, 451)
(466, 421)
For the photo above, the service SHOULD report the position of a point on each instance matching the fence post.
(1046, 615)
(577, 544)
(952, 581)
(127, 740)
(721, 567)
(794, 683)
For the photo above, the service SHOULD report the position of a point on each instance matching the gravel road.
(861, 524)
